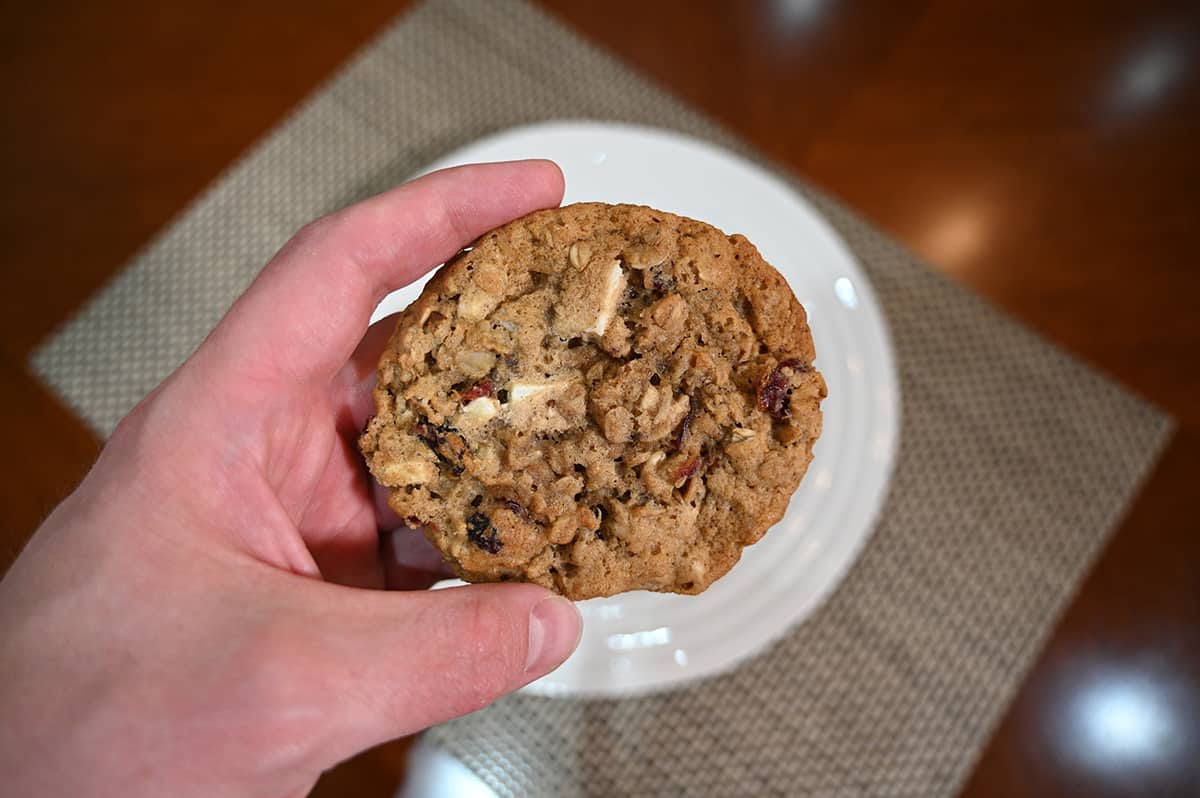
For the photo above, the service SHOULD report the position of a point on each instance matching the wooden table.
(1047, 155)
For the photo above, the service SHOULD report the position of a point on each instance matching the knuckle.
(309, 233)
(456, 219)
(308, 240)
(331, 242)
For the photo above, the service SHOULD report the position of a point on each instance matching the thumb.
(393, 663)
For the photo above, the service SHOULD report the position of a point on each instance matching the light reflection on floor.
(1122, 721)
(1126, 723)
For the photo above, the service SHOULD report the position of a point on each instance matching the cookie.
(597, 398)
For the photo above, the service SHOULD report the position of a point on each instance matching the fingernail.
(554, 630)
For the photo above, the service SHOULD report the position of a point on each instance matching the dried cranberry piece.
(774, 388)
(484, 387)
(772, 394)
(688, 469)
(483, 533)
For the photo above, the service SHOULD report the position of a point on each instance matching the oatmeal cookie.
(597, 398)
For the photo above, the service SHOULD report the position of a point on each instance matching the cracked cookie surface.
(597, 398)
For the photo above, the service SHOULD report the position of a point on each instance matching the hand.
(196, 618)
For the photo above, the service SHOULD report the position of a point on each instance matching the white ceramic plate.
(644, 641)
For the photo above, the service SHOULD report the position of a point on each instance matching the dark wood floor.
(1045, 154)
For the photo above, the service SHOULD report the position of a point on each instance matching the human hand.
(196, 618)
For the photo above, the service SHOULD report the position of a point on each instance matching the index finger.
(303, 316)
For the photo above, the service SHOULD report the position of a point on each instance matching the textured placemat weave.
(1015, 461)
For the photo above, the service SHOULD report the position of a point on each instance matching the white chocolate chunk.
(475, 303)
(545, 406)
(613, 287)
(405, 472)
(476, 364)
(521, 391)
(481, 409)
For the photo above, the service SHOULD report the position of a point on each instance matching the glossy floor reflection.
(1125, 726)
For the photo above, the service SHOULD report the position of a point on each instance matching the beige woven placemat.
(1015, 462)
